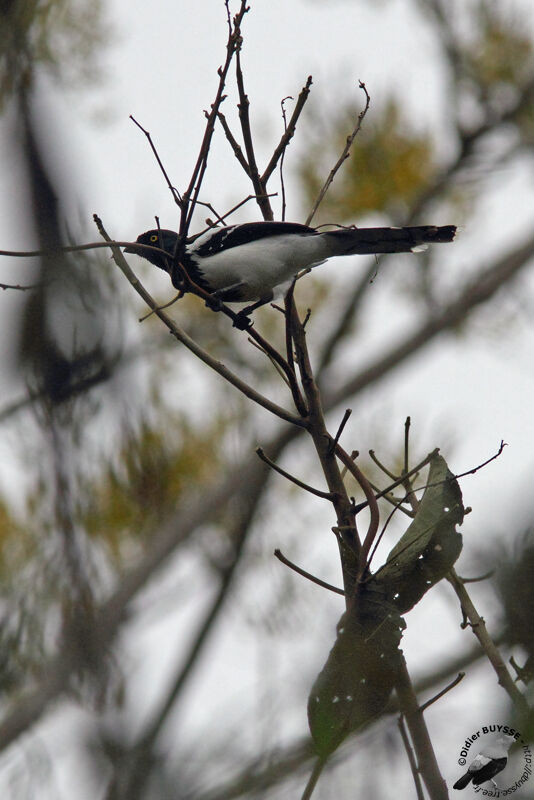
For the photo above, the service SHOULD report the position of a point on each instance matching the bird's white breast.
(262, 264)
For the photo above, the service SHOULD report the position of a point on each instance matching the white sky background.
(463, 394)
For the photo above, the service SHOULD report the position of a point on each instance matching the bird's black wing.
(235, 235)
(488, 771)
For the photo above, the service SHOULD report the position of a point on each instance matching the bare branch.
(292, 478)
(346, 417)
(398, 481)
(411, 758)
(502, 445)
(282, 182)
(190, 196)
(20, 288)
(244, 118)
(234, 144)
(374, 513)
(289, 131)
(427, 764)
(313, 779)
(344, 155)
(478, 626)
(349, 543)
(279, 555)
(451, 685)
(175, 193)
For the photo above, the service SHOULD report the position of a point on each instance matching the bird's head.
(163, 239)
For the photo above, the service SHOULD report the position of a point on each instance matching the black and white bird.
(256, 260)
(488, 763)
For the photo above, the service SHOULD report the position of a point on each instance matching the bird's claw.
(242, 322)
(214, 302)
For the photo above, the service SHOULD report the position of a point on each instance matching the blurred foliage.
(60, 37)
(500, 50)
(151, 470)
(392, 162)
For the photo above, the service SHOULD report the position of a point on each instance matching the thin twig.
(346, 417)
(222, 217)
(244, 118)
(374, 513)
(478, 626)
(234, 144)
(273, 362)
(381, 466)
(427, 764)
(406, 445)
(396, 507)
(354, 454)
(349, 543)
(76, 248)
(344, 155)
(20, 288)
(451, 685)
(282, 183)
(281, 557)
(411, 758)
(480, 288)
(175, 193)
(459, 475)
(410, 496)
(292, 478)
(288, 301)
(502, 445)
(480, 578)
(190, 285)
(190, 196)
(345, 319)
(288, 132)
(402, 479)
(314, 777)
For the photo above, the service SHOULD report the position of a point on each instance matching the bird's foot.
(214, 303)
(242, 321)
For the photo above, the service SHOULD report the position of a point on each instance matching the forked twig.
(288, 132)
(190, 196)
(244, 118)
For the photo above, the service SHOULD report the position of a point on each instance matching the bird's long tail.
(349, 241)
(462, 782)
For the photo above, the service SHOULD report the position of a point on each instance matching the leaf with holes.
(431, 544)
(355, 683)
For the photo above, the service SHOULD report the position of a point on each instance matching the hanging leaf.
(431, 544)
(358, 677)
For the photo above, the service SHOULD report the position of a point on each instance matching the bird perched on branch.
(488, 763)
(250, 262)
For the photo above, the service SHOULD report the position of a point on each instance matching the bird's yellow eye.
(154, 238)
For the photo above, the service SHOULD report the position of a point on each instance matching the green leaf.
(431, 544)
(358, 677)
